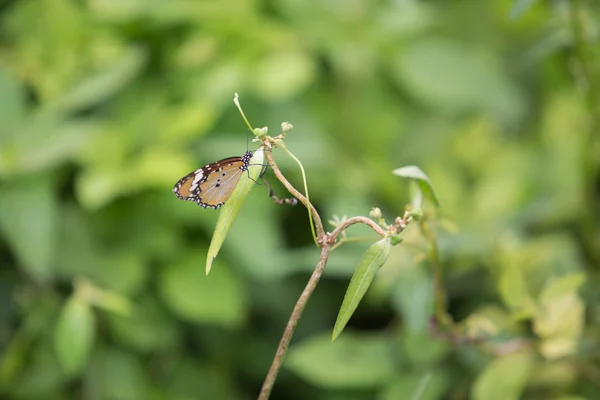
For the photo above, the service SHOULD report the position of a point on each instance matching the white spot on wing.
(197, 179)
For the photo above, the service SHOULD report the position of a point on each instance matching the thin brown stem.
(325, 241)
(296, 194)
(355, 220)
(292, 322)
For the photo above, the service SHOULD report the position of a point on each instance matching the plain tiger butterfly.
(211, 185)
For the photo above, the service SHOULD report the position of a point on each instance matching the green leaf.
(219, 299)
(372, 260)
(415, 173)
(558, 287)
(560, 317)
(44, 142)
(351, 362)
(504, 378)
(431, 385)
(519, 7)
(74, 335)
(232, 206)
(117, 375)
(16, 353)
(512, 287)
(189, 378)
(420, 348)
(111, 301)
(148, 328)
(283, 75)
(413, 297)
(12, 98)
(472, 79)
(42, 375)
(103, 84)
(28, 219)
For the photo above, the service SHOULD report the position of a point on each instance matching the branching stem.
(326, 241)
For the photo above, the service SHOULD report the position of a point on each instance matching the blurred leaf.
(255, 243)
(504, 378)
(353, 361)
(102, 85)
(15, 353)
(117, 375)
(189, 378)
(415, 173)
(368, 266)
(29, 213)
(97, 187)
(513, 289)
(559, 172)
(413, 296)
(232, 206)
(124, 271)
(217, 299)
(43, 377)
(148, 328)
(45, 142)
(12, 98)
(80, 253)
(74, 335)
(423, 349)
(562, 286)
(283, 75)
(554, 375)
(519, 7)
(104, 299)
(184, 123)
(492, 321)
(431, 385)
(560, 317)
(469, 79)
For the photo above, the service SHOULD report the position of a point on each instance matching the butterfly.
(211, 185)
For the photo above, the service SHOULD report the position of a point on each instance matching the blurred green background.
(105, 104)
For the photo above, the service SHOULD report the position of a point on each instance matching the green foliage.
(503, 378)
(74, 335)
(231, 208)
(105, 104)
(352, 361)
(365, 272)
(423, 182)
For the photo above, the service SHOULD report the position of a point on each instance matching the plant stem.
(325, 242)
(586, 77)
(296, 194)
(438, 275)
(355, 220)
(292, 322)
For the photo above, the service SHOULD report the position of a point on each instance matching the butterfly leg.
(291, 200)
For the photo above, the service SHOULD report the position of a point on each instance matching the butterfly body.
(211, 185)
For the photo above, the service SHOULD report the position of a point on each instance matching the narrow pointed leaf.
(233, 205)
(74, 335)
(373, 259)
(415, 173)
